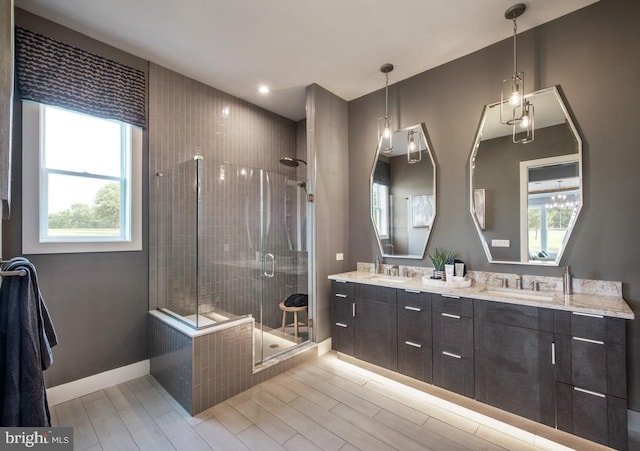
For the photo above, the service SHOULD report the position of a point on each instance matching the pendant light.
(414, 152)
(385, 135)
(524, 131)
(515, 110)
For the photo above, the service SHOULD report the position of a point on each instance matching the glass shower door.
(284, 250)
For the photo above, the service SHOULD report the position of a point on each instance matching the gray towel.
(26, 338)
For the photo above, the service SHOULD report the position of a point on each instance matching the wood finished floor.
(328, 404)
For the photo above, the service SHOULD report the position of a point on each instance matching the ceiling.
(236, 45)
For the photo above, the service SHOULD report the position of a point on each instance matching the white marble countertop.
(597, 304)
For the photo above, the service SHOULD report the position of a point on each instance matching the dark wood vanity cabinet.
(514, 359)
(415, 350)
(376, 327)
(342, 318)
(560, 368)
(591, 383)
(453, 353)
(363, 322)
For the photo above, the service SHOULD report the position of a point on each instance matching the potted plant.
(440, 257)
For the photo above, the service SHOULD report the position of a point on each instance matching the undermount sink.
(517, 294)
(387, 279)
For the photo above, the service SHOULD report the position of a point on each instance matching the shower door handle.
(273, 265)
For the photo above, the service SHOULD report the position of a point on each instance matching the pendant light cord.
(386, 95)
(515, 52)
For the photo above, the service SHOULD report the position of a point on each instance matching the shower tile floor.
(326, 404)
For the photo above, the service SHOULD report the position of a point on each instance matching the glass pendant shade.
(414, 154)
(385, 140)
(512, 99)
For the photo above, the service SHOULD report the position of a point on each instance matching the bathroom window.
(81, 182)
(380, 209)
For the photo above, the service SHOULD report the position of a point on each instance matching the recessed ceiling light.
(263, 89)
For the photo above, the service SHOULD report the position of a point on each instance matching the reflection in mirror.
(403, 194)
(525, 198)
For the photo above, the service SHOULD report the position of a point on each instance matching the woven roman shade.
(58, 74)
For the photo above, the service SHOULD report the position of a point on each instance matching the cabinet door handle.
(413, 309)
(452, 355)
(410, 343)
(450, 296)
(586, 340)
(341, 325)
(412, 291)
(338, 295)
(589, 392)
(353, 309)
(449, 315)
(590, 315)
(553, 353)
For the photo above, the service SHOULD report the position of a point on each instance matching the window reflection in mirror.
(402, 190)
(532, 192)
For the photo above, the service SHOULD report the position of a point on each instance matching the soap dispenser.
(566, 281)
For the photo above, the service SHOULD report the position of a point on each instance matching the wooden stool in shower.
(295, 311)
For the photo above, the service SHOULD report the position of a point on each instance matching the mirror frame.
(474, 150)
(429, 152)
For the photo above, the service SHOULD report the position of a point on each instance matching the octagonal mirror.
(525, 198)
(403, 194)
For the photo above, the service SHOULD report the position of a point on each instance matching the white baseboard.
(71, 390)
(324, 346)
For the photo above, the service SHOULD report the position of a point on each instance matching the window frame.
(381, 209)
(34, 194)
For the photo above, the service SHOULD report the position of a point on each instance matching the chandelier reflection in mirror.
(562, 201)
(385, 137)
(521, 114)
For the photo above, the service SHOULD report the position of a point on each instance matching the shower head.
(291, 162)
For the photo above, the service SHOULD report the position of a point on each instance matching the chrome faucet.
(503, 281)
(518, 283)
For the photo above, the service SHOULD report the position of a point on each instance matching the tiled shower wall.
(188, 118)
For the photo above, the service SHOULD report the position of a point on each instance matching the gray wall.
(98, 302)
(591, 55)
(6, 103)
(328, 156)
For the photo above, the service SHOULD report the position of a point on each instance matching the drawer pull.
(338, 295)
(586, 340)
(449, 315)
(412, 291)
(341, 325)
(340, 281)
(410, 343)
(452, 355)
(553, 353)
(589, 392)
(413, 309)
(450, 296)
(590, 315)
